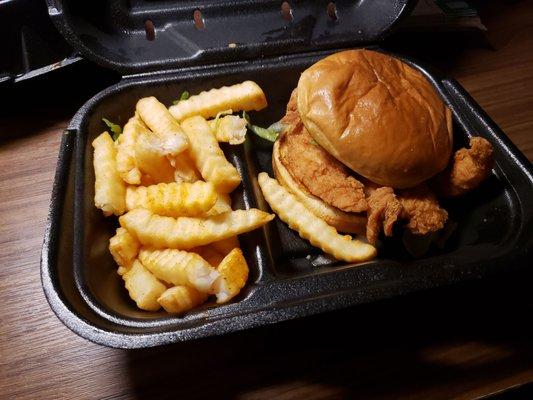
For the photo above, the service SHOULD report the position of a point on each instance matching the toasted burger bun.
(378, 116)
(340, 220)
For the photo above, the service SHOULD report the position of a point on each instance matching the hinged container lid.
(135, 36)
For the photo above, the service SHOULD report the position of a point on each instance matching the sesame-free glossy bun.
(378, 116)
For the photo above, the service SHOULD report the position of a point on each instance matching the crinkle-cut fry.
(125, 144)
(180, 268)
(209, 254)
(226, 245)
(151, 160)
(156, 116)
(222, 205)
(230, 129)
(143, 287)
(109, 188)
(185, 170)
(215, 252)
(124, 248)
(245, 96)
(179, 299)
(185, 233)
(208, 156)
(173, 199)
(233, 271)
(309, 226)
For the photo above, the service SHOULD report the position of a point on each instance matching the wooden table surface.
(460, 342)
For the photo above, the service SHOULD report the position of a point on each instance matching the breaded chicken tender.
(467, 170)
(421, 210)
(417, 206)
(384, 209)
(318, 171)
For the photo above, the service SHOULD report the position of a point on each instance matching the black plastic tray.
(288, 278)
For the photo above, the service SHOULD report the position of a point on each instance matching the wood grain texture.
(456, 343)
(501, 80)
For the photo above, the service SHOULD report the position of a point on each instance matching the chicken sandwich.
(367, 142)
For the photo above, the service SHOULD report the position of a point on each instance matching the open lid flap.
(135, 36)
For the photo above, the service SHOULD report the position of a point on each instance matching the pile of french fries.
(168, 180)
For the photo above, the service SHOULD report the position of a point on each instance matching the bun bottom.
(340, 220)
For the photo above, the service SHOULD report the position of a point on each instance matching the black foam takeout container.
(288, 277)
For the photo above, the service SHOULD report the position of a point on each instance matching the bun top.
(378, 116)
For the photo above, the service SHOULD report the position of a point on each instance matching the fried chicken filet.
(418, 207)
(384, 209)
(319, 172)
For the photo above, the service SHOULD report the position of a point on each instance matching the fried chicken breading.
(467, 170)
(291, 114)
(421, 209)
(318, 171)
(383, 211)
(417, 206)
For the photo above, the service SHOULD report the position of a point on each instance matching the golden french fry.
(151, 159)
(185, 233)
(222, 205)
(124, 248)
(233, 271)
(180, 268)
(209, 254)
(243, 96)
(179, 299)
(226, 245)
(158, 119)
(231, 129)
(126, 163)
(143, 287)
(208, 156)
(109, 188)
(215, 252)
(309, 226)
(185, 169)
(173, 199)
(125, 144)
